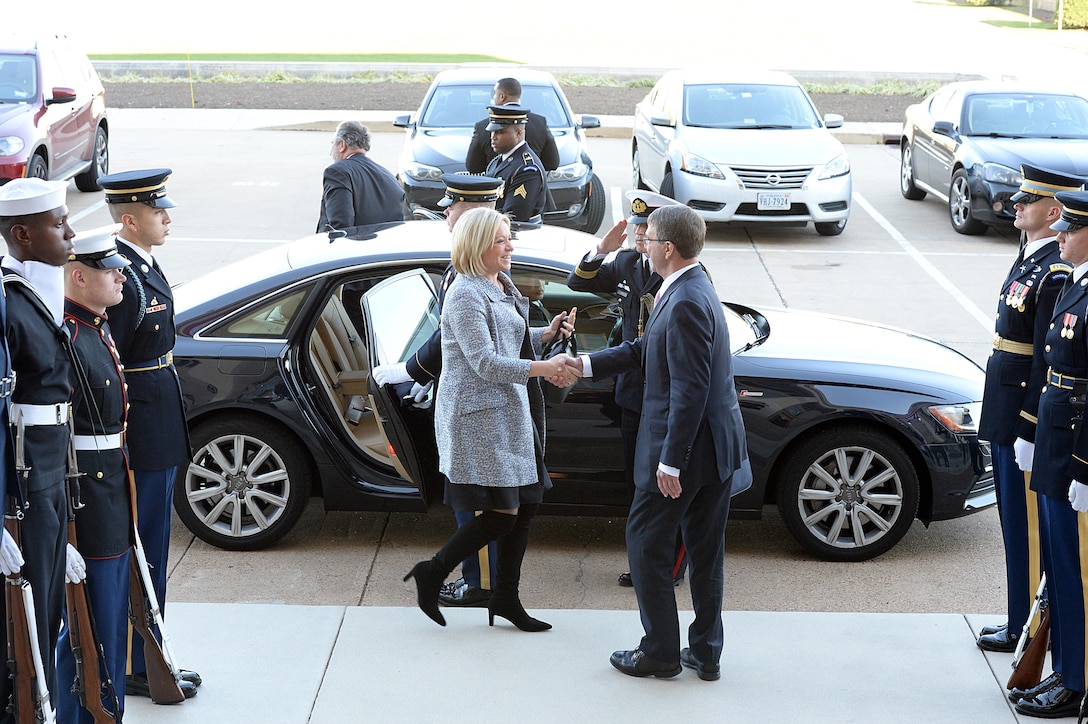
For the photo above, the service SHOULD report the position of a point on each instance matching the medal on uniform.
(1068, 322)
(1017, 294)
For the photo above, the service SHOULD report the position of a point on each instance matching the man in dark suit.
(525, 188)
(691, 453)
(537, 134)
(143, 331)
(355, 189)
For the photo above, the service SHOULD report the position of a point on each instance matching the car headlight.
(962, 419)
(998, 174)
(699, 166)
(570, 172)
(422, 172)
(11, 145)
(838, 166)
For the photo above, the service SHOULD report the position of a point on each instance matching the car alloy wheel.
(100, 163)
(636, 171)
(959, 206)
(906, 175)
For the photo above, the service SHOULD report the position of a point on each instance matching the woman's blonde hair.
(474, 234)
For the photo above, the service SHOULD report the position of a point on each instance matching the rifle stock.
(1028, 671)
(160, 675)
(24, 659)
(83, 637)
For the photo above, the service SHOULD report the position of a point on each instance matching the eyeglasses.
(659, 241)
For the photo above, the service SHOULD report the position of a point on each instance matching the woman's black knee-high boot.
(469, 538)
(509, 554)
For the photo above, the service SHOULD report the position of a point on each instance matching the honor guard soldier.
(628, 276)
(143, 330)
(1059, 466)
(1013, 380)
(34, 223)
(100, 497)
(525, 188)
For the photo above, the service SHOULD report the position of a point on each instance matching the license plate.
(769, 202)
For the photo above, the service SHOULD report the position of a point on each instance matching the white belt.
(97, 442)
(55, 414)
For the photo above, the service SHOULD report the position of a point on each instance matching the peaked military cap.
(469, 187)
(97, 248)
(146, 187)
(503, 116)
(1044, 182)
(644, 203)
(25, 196)
(1074, 210)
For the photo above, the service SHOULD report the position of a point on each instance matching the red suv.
(52, 113)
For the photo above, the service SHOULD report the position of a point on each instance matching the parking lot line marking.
(927, 266)
(617, 205)
(225, 240)
(77, 217)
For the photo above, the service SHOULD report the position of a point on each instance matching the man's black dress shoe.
(459, 593)
(136, 685)
(625, 580)
(706, 672)
(1046, 684)
(1052, 704)
(191, 676)
(992, 629)
(1002, 640)
(637, 663)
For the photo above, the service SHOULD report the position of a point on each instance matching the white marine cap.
(23, 196)
(98, 248)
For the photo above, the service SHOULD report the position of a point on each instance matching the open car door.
(401, 313)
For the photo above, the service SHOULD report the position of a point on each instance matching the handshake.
(564, 370)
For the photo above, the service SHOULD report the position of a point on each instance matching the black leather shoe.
(191, 676)
(625, 580)
(1046, 684)
(1003, 641)
(992, 629)
(136, 685)
(1053, 703)
(459, 593)
(637, 663)
(706, 672)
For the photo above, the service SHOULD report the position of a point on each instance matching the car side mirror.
(661, 119)
(403, 122)
(944, 128)
(61, 95)
(590, 122)
(833, 120)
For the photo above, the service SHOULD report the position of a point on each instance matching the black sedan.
(854, 430)
(965, 144)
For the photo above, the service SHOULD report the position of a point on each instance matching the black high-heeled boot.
(469, 538)
(509, 554)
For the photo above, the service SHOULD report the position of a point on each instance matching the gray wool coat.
(487, 405)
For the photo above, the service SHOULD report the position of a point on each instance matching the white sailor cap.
(24, 196)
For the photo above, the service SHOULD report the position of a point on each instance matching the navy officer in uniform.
(93, 282)
(34, 224)
(1058, 470)
(1014, 377)
(142, 325)
(525, 188)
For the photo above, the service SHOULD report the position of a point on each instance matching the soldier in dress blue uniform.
(34, 223)
(1013, 379)
(93, 281)
(628, 276)
(1059, 461)
(143, 330)
(525, 188)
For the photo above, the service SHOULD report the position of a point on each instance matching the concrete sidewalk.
(333, 664)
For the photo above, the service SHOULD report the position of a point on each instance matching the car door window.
(403, 314)
(549, 295)
(267, 320)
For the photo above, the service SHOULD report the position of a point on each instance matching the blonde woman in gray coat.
(489, 415)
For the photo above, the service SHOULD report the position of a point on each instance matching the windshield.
(18, 79)
(1026, 115)
(729, 105)
(460, 106)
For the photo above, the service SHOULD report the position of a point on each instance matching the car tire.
(247, 484)
(906, 174)
(100, 163)
(667, 186)
(636, 171)
(830, 228)
(959, 206)
(37, 168)
(595, 207)
(853, 516)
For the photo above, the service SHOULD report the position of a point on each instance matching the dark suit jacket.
(686, 358)
(537, 135)
(358, 191)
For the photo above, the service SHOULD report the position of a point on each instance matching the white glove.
(1078, 496)
(1024, 452)
(419, 395)
(391, 374)
(11, 558)
(75, 570)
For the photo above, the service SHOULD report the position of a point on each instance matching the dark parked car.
(966, 141)
(854, 429)
(52, 113)
(438, 134)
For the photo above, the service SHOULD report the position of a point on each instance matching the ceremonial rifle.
(1027, 663)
